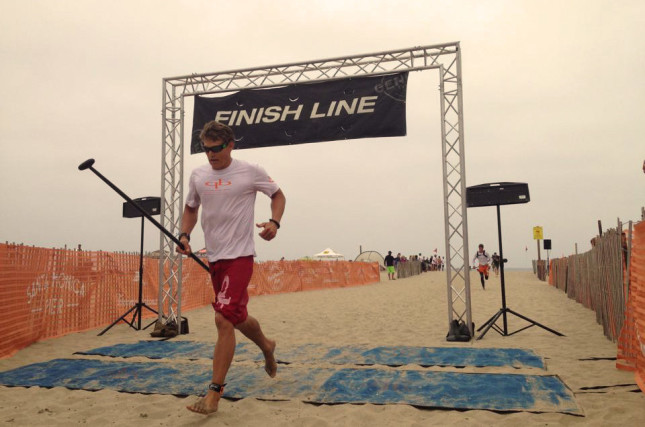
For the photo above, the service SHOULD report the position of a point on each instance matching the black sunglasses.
(215, 149)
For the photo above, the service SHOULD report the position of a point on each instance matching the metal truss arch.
(444, 57)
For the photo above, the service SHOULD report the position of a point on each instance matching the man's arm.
(188, 221)
(278, 203)
(270, 228)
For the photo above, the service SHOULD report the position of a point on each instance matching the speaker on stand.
(151, 206)
(547, 248)
(496, 194)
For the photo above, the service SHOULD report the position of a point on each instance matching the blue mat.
(349, 355)
(498, 392)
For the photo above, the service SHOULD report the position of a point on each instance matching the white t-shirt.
(228, 200)
(482, 257)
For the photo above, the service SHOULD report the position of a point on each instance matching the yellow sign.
(537, 233)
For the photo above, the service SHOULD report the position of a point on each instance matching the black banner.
(363, 107)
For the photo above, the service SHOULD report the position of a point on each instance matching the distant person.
(389, 265)
(496, 259)
(226, 188)
(483, 261)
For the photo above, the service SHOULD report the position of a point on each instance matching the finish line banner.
(364, 107)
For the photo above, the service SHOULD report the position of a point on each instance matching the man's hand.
(187, 250)
(269, 230)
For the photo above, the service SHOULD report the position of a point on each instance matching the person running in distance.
(389, 264)
(226, 188)
(482, 258)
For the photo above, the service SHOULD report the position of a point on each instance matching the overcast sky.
(554, 94)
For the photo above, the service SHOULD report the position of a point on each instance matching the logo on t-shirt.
(216, 185)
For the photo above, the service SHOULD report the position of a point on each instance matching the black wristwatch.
(277, 224)
(184, 234)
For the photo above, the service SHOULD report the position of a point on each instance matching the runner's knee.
(222, 322)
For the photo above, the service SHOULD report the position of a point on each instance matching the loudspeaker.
(150, 205)
(547, 244)
(497, 193)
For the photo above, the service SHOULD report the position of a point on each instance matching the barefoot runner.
(226, 188)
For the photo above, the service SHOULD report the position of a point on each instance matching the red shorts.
(483, 269)
(230, 279)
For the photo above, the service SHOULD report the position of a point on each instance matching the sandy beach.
(411, 312)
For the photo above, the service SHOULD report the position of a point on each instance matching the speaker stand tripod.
(491, 323)
(139, 306)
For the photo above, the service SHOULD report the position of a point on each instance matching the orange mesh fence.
(196, 287)
(51, 292)
(275, 277)
(47, 293)
(631, 345)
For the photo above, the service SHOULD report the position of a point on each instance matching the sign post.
(537, 235)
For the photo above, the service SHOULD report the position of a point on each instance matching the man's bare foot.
(270, 365)
(207, 404)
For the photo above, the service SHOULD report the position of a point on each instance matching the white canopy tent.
(329, 254)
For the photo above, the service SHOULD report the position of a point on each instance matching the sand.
(410, 311)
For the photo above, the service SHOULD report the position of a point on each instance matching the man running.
(483, 259)
(226, 190)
